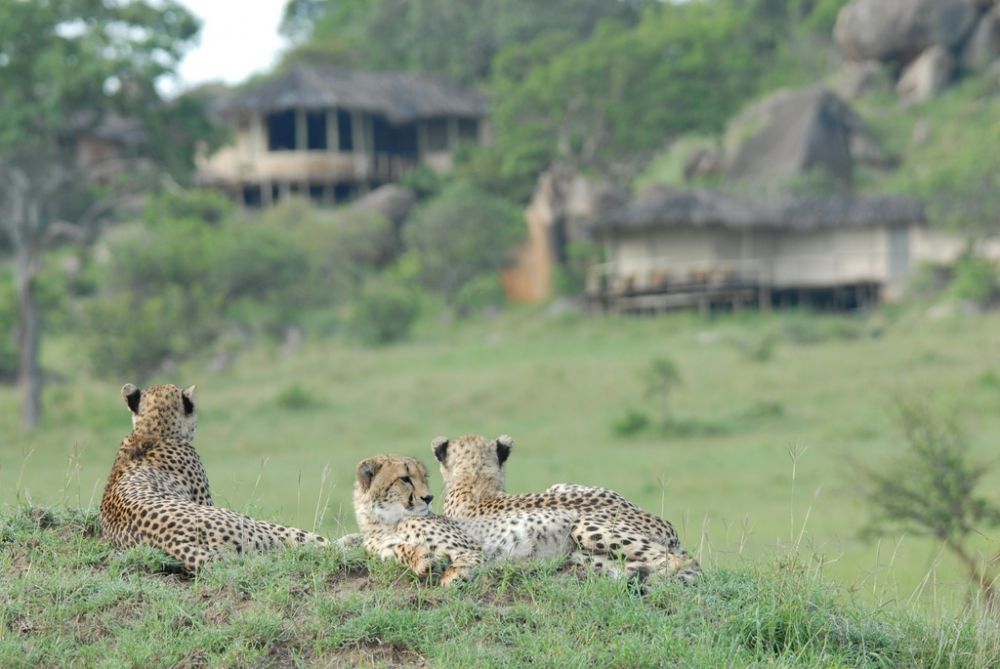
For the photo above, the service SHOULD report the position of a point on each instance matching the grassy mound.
(67, 599)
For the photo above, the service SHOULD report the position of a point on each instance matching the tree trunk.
(29, 374)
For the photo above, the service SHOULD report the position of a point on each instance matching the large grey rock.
(857, 79)
(927, 76)
(898, 30)
(794, 132)
(983, 47)
(392, 201)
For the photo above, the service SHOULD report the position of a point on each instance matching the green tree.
(462, 234)
(457, 39)
(607, 101)
(68, 70)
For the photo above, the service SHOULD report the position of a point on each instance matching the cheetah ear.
(187, 398)
(131, 394)
(367, 469)
(440, 446)
(504, 446)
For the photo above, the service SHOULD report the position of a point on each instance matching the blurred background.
(737, 259)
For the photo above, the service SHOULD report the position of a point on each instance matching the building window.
(437, 134)
(468, 130)
(252, 197)
(345, 130)
(281, 130)
(342, 192)
(317, 193)
(316, 131)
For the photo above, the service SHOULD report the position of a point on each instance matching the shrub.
(975, 278)
(296, 398)
(630, 423)
(462, 234)
(384, 313)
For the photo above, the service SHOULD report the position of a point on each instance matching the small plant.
(296, 398)
(933, 488)
(975, 278)
(756, 349)
(631, 423)
(661, 378)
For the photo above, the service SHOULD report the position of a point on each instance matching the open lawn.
(280, 433)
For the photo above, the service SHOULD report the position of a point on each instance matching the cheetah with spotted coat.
(607, 531)
(158, 492)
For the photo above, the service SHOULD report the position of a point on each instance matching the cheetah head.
(389, 488)
(164, 411)
(473, 460)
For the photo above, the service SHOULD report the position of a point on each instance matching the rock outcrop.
(793, 133)
(899, 30)
(927, 76)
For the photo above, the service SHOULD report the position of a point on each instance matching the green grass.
(67, 599)
(281, 435)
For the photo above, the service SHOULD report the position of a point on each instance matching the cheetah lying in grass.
(606, 530)
(392, 506)
(158, 493)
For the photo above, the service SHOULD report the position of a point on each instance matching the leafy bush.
(975, 278)
(462, 234)
(201, 204)
(630, 423)
(296, 398)
(384, 313)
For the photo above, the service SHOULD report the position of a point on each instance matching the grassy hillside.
(281, 433)
(66, 599)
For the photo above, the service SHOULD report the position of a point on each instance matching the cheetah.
(158, 492)
(608, 532)
(392, 506)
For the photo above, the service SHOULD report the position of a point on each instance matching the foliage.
(199, 204)
(296, 398)
(934, 487)
(630, 423)
(384, 313)
(459, 40)
(167, 290)
(462, 234)
(622, 91)
(660, 379)
(975, 278)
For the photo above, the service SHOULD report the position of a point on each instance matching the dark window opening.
(345, 131)
(437, 134)
(275, 193)
(468, 130)
(281, 130)
(316, 131)
(396, 140)
(317, 193)
(342, 192)
(294, 188)
(252, 196)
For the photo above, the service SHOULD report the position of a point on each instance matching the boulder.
(898, 30)
(793, 133)
(927, 76)
(392, 201)
(983, 47)
(703, 163)
(857, 79)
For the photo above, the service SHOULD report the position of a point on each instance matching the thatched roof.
(664, 207)
(400, 96)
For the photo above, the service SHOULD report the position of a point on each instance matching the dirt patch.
(349, 580)
(373, 653)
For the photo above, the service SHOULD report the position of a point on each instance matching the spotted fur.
(607, 531)
(158, 492)
(392, 506)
